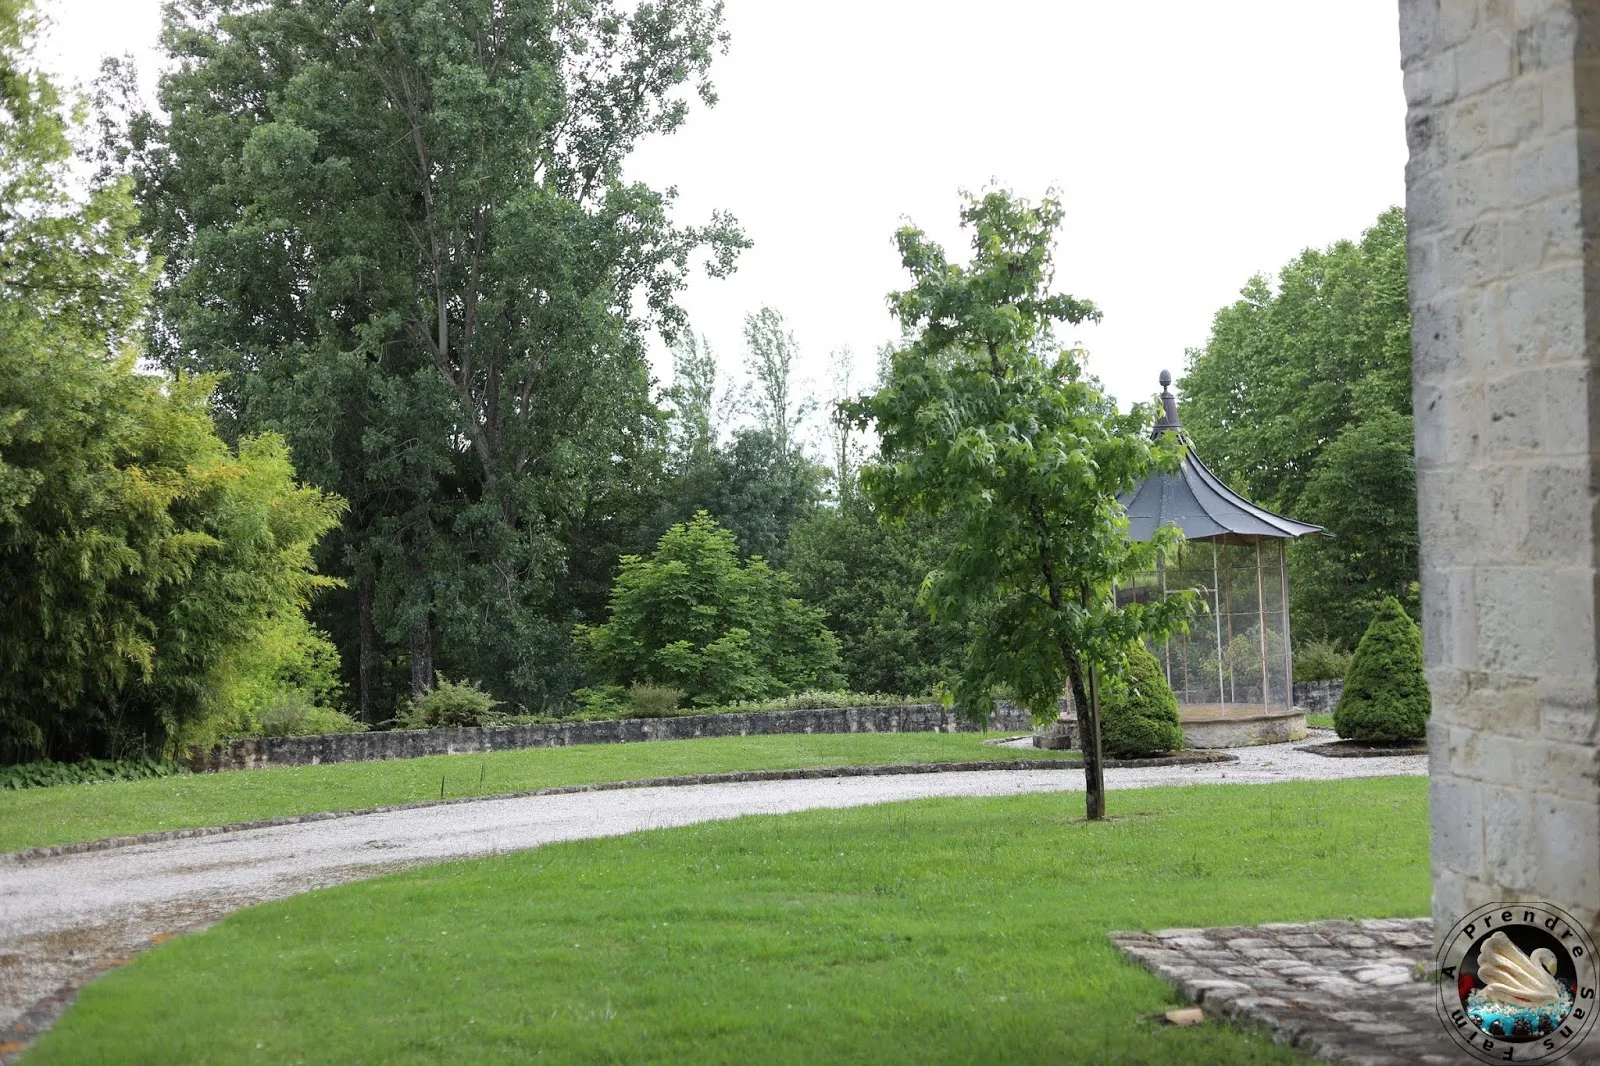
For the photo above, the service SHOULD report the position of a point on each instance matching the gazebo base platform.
(1205, 725)
(1240, 725)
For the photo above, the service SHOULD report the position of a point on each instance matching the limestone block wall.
(410, 743)
(1317, 697)
(1503, 126)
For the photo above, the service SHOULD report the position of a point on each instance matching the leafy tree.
(140, 556)
(1364, 489)
(695, 618)
(1284, 373)
(1301, 399)
(990, 429)
(770, 351)
(866, 575)
(1140, 711)
(402, 232)
(692, 398)
(1385, 698)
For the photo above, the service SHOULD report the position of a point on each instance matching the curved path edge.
(800, 773)
(68, 917)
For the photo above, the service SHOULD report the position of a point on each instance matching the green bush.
(1320, 660)
(293, 717)
(451, 703)
(1138, 712)
(1385, 698)
(654, 701)
(47, 774)
(608, 702)
(695, 618)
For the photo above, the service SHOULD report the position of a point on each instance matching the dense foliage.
(693, 616)
(402, 233)
(147, 568)
(990, 428)
(451, 703)
(84, 771)
(867, 575)
(1385, 697)
(1301, 400)
(1320, 660)
(1139, 713)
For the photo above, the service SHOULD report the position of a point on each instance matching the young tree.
(846, 450)
(694, 617)
(991, 429)
(770, 350)
(693, 436)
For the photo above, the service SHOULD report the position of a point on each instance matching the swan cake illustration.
(1519, 995)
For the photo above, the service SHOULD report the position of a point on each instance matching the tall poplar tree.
(403, 232)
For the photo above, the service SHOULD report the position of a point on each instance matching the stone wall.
(1317, 697)
(1503, 115)
(410, 743)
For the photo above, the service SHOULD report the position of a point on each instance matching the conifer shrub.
(1138, 712)
(1385, 698)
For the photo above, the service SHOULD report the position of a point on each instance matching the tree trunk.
(368, 678)
(421, 657)
(1086, 702)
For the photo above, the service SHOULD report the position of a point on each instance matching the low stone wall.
(252, 752)
(1317, 697)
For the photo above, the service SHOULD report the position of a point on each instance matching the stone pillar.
(1503, 125)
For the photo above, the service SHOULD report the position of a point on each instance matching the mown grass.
(941, 931)
(35, 817)
(1319, 721)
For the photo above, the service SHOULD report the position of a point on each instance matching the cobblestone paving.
(1343, 991)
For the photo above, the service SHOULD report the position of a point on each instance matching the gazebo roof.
(1196, 501)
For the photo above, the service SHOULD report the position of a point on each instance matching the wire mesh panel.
(1234, 658)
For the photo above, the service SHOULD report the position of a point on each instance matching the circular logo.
(1517, 982)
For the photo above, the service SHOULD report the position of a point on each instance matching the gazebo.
(1236, 660)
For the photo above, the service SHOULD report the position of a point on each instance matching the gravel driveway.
(65, 919)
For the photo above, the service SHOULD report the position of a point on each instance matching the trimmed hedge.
(1138, 712)
(1385, 698)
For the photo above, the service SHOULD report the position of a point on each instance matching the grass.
(940, 931)
(1319, 721)
(34, 817)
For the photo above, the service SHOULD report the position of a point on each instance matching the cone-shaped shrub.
(1138, 712)
(1385, 698)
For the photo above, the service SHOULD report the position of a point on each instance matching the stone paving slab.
(1344, 991)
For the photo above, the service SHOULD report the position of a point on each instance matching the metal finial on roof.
(1169, 406)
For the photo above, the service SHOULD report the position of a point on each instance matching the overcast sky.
(1194, 143)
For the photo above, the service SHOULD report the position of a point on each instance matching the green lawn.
(940, 931)
(34, 817)
(1320, 721)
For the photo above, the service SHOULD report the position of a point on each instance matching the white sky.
(1194, 143)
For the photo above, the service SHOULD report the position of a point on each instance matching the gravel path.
(65, 919)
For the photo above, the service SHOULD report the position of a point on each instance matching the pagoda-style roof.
(1196, 501)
